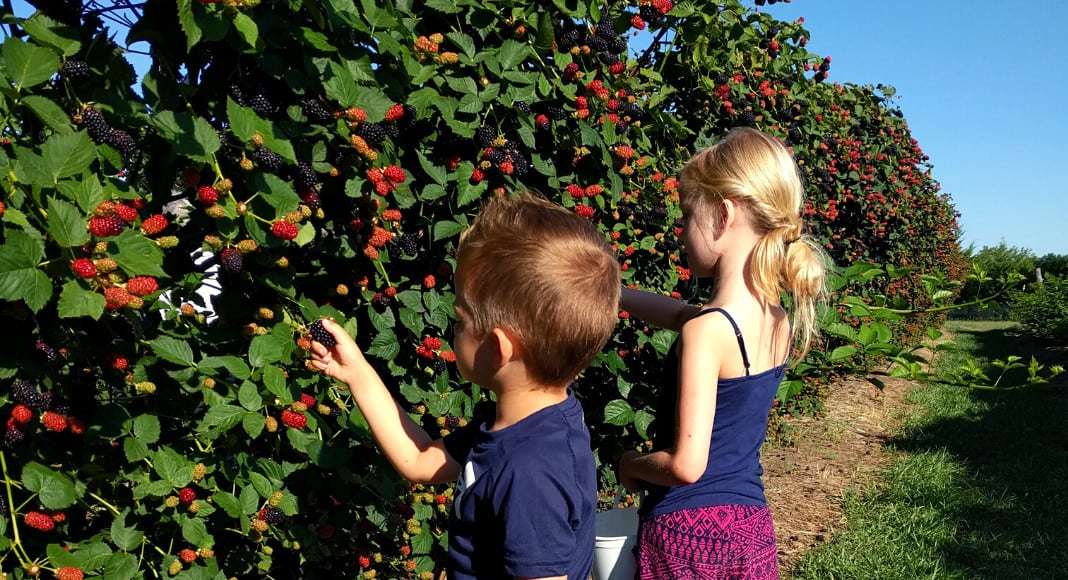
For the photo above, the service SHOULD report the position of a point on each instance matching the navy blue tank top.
(733, 472)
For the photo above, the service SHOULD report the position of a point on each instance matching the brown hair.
(756, 169)
(546, 275)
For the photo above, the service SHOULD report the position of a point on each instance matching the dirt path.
(805, 483)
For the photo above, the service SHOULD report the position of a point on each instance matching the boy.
(537, 294)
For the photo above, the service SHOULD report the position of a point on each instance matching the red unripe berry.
(39, 521)
(69, 573)
(207, 195)
(284, 230)
(54, 421)
(127, 213)
(188, 556)
(83, 268)
(394, 174)
(187, 495)
(154, 224)
(141, 285)
(293, 419)
(395, 112)
(21, 414)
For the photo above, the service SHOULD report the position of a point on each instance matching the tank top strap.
(737, 333)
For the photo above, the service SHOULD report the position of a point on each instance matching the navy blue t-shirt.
(526, 497)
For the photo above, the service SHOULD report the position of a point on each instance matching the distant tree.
(1053, 265)
(997, 262)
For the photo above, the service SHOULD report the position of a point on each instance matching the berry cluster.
(102, 133)
(323, 337)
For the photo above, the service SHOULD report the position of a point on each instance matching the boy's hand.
(342, 361)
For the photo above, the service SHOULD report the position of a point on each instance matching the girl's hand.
(344, 360)
(626, 471)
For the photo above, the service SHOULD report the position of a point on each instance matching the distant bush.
(1043, 308)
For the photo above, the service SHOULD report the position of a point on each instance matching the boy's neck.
(517, 403)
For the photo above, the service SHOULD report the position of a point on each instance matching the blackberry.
(605, 27)
(273, 515)
(567, 40)
(747, 118)
(409, 244)
(380, 300)
(12, 437)
(306, 176)
(237, 94)
(122, 142)
(46, 350)
(439, 366)
(617, 44)
(485, 136)
(452, 422)
(408, 119)
(391, 130)
(23, 391)
(632, 110)
(522, 107)
(773, 31)
(268, 160)
(608, 58)
(495, 156)
(320, 335)
(649, 14)
(232, 260)
(75, 71)
(3, 506)
(555, 113)
(794, 134)
(315, 111)
(373, 133)
(596, 43)
(95, 123)
(262, 105)
(59, 404)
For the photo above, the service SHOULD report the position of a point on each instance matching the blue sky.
(982, 84)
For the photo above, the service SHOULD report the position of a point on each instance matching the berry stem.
(114, 510)
(16, 545)
(382, 271)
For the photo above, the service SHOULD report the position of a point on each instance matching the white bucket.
(617, 533)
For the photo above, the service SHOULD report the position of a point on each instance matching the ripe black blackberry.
(617, 44)
(316, 111)
(320, 335)
(485, 135)
(555, 113)
(596, 43)
(95, 123)
(237, 94)
(273, 515)
(59, 404)
(12, 437)
(75, 71)
(268, 160)
(794, 134)
(262, 104)
(568, 39)
(122, 142)
(409, 244)
(605, 27)
(23, 391)
(608, 58)
(408, 119)
(45, 350)
(232, 260)
(373, 133)
(495, 155)
(747, 118)
(3, 505)
(306, 176)
(522, 107)
(649, 14)
(439, 366)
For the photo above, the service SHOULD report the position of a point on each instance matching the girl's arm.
(414, 455)
(702, 340)
(658, 310)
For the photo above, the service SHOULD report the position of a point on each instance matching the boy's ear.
(505, 345)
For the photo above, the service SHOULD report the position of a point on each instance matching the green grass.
(978, 487)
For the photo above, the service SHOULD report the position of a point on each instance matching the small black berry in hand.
(320, 334)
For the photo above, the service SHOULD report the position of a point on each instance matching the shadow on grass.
(1009, 511)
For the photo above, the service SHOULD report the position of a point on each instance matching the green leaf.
(189, 25)
(146, 428)
(173, 350)
(247, 29)
(76, 301)
(66, 224)
(340, 86)
(265, 350)
(138, 255)
(228, 502)
(135, 449)
(642, 420)
(275, 381)
(191, 136)
(249, 396)
(447, 229)
(125, 538)
(233, 364)
(618, 412)
(54, 489)
(435, 172)
(195, 531)
(47, 31)
(662, 341)
(176, 470)
(422, 99)
(250, 500)
(49, 112)
(385, 345)
(374, 101)
(27, 65)
(87, 192)
(842, 352)
(512, 53)
(19, 277)
(221, 418)
(68, 154)
(253, 423)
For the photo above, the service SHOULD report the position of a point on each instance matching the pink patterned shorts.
(735, 542)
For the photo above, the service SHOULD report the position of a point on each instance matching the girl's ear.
(728, 213)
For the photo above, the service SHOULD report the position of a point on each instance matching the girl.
(705, 515)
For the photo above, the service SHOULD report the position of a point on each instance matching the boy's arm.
(414, 455)
(656, 309)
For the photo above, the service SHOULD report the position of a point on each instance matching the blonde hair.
(757, 170)
(545, 274)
